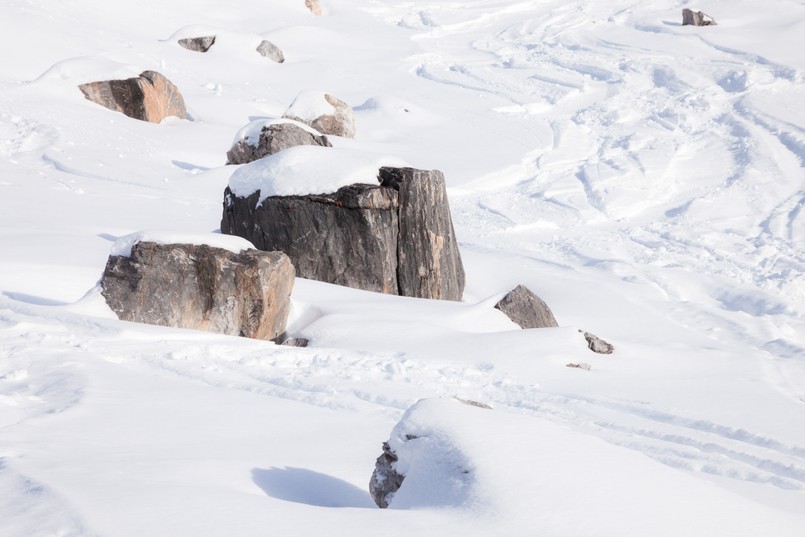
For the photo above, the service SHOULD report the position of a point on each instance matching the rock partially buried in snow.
(395, 237)
(422, 464)
(261, 139)
(324, 113)
(271, 51)
(198, 44)
(314, 6)
(596, 344)
(201, 287)
(526, 309)
(150, 97)
(696, 18)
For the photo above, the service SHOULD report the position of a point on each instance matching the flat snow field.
(646, 179)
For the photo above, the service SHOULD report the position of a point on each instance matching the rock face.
(385, 480)
(696, 18)
(596, 344)
(271, 51)
(149, 97)
(323, 112)
(395, 238)
(273, 139)
(198, 44)
(526, 309)
(314, 6)
(201, 287)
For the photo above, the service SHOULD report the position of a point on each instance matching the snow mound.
(303, 170)
(309, 105)
(123, 245)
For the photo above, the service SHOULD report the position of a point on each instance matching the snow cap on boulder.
(323, 112)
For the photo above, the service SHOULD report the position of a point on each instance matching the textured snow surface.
(647, 180)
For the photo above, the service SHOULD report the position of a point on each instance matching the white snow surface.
(646, 179)
(310, 105)
(308, 169)
(123, 245)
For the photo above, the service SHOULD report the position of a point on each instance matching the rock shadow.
(300, 485)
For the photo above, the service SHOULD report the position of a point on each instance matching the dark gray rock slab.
(429, 263)
(201, 287)
(198, 44)
(273, 139)
(395, 238)
(271, 51)
(347, 238)
(150, 97)
(526, 309)
(385, 480)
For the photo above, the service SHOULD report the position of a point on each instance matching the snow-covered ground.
(646, 179)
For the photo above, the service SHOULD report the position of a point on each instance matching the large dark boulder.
(396, 237)
(149, 97)
(201, 287)
(526, 309)
(272, 139)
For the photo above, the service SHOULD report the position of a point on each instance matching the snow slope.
(644, 178)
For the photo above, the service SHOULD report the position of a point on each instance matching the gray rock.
(271, 51)
(395, 238)
(273, 139)
(296, 342)
(580, 365)
(696, 18)
(429, 263)
(150, 97)
(201, 287)
(526, 309)
(198, 44)
(385, 480)
(596, 344)
(340, 123)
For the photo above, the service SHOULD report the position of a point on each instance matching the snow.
(308, 169)
(236, 245)
(644, 178)
(309, 105)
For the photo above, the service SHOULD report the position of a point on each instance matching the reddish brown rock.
(150, 97)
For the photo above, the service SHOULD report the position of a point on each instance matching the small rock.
(314, 6)
(385, 480)
(198, 44)
(271, 51)
(296, 342)
(696, 18)
(526, 309)
(581, 365)
(473, 403)
(596, 344)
